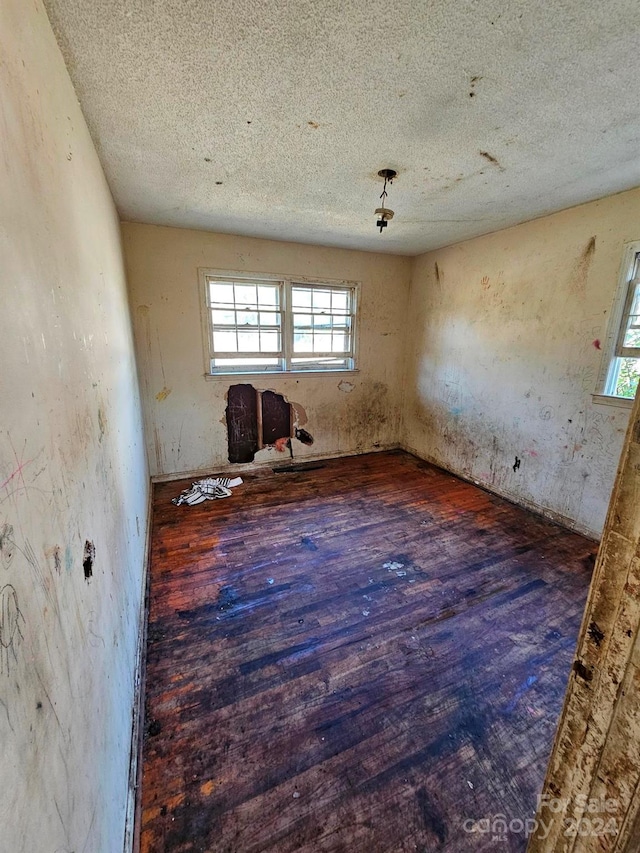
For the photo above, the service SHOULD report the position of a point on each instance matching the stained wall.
(73, 476)
(185, 412)
(505, 345)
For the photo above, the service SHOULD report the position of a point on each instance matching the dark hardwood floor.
(368, 657)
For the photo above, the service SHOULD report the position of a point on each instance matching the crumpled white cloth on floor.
(207, 490)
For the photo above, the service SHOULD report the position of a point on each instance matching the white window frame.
(286, 354)
(628, 280)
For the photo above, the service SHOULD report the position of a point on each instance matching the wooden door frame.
(591, 794)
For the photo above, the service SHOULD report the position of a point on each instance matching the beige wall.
(502, 364)
(71, 466)
(185, 412)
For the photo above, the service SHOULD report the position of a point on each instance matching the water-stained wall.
(504, 350)
(185, 413)
(73, 481)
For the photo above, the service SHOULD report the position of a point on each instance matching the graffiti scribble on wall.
(10, 632)
(7, 545)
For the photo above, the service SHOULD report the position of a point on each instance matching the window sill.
(282, 374)
(608, 400)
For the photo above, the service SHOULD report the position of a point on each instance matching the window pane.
(269, 319)
(322, 342)
(628, 373)
(632, 321)
(321, 299)
(330, 362)
(268, 295)
(340, 300)
(340, 343)
(341, 320)
(302, 321)
(632, 337)
(227, 318)
(246, 294)
(220, 292)
(302, 342)
(269, 342)
(248, 341)
(301, 297)
(632, 334)
(246, 363)
(247, 318)
(225, 341)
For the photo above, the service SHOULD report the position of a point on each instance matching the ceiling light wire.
(384, 213)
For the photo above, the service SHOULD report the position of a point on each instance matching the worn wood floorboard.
(368, 657)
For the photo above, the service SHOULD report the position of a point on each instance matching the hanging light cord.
(384, 213)
(383, 194)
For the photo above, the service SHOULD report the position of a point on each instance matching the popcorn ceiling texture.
(271, 118)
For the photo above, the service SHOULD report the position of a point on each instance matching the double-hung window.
(256, 324)
(622, 360)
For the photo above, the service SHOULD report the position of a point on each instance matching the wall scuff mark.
(491, 159)
(54, 555)
(578, 281)
(87, 559)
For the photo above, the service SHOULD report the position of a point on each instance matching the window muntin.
(257, 325)
(623, 373)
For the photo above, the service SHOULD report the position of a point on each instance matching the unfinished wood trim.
(596, 754)
(133, 816)
(259, 417)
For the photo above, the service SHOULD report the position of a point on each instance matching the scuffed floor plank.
(368, 656)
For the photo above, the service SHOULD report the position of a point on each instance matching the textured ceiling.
(270, 118)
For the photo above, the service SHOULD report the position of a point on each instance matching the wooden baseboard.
(281, 459)
(134, 806)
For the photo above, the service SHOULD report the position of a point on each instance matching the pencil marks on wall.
(54, 557)
(11, 618)
(11, 621)
(7, 546)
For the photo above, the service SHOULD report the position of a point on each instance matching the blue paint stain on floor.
(517, 696)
